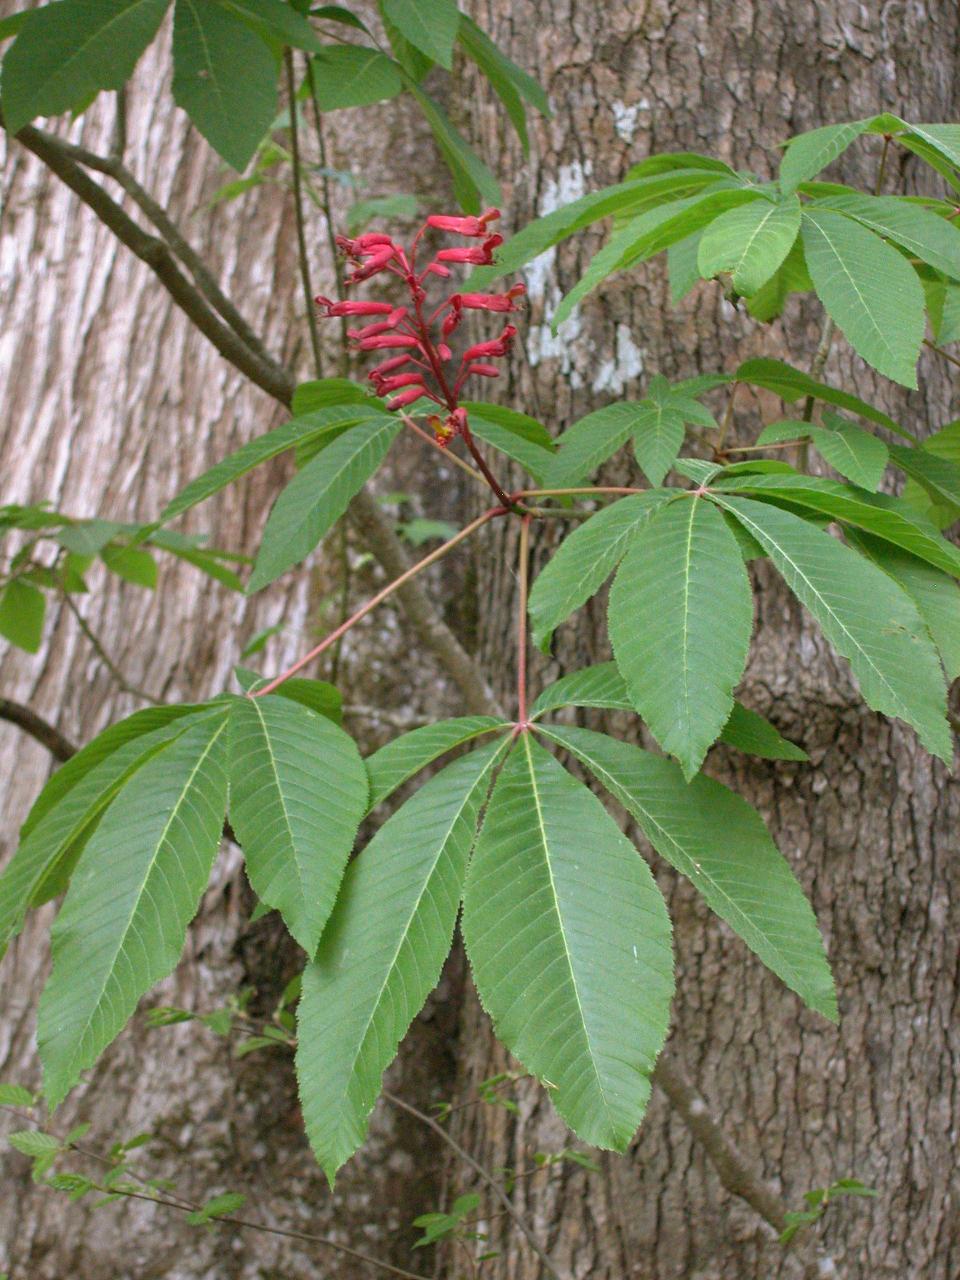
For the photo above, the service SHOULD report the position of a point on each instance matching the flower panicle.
(423, 366)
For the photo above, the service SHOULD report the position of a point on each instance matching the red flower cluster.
(423, 363)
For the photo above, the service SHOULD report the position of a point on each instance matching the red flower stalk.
(411, 331)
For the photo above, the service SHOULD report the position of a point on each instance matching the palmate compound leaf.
(863, 613)
(298, 790)
(602, 686)
(569, 941)
(714, 838)
(135, 890)
(68, 809)
(382, 952)
(318, 495)
(680, 617)
(585, 559)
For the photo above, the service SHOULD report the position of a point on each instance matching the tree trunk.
(870, 824)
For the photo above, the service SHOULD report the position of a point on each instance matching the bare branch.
(59, 746)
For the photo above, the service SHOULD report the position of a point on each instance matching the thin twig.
(481, 1173)
(524, 578)
(382, 595)
(327, 205)
(119, 678)
(448, 454)
(59, 746)
(947, 355)
(302, 256)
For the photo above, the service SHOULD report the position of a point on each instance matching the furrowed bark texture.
(870, 826)
(110, 401)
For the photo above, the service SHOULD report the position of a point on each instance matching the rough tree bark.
(94, 420)
(870, 825)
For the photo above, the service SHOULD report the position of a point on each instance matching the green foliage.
(556, 901)
(429, 25)
(817, 1200)
(318, 496)
(398, 761)
(393, 922)
(349, 75)
(298, 790)
(680, 619)
(749, 243)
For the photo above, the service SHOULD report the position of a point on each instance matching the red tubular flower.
(411, 331)
(405, 398)
(358, 308)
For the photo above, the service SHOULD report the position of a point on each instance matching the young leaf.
(473, 183)
(224, 77)
(868, 289)
(716, 840)
(352, 75)
(649, 234)
(590, 441)
(936, 596)
(311, 424)
(569, 943)
(511, 85)
(515, 434)
(318, 496)
(406, 755)
(585, 559)
(680, 617)
(793, 384)
(298, 790)
(66, 53)
(750, 732)
(131, 564)
(857, 454)
(382, 952)
(877, 513)
(122, 925)
(750, 242)
(808, 153)
(862, 612)
(430, 25)
(22, 610)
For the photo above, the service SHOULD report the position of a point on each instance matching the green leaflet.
(645, 191)
(318, 495)
(939, 475)
(569, 943)
(66, 53)
(400, 759)
(661, 422)
(382, 952)
(224, 77)
(317, 695)
(862, 612)
(793, 384)
(937, 506)
(716, 840)
(590, 441)
(868, 289)
(135, 890)
(473, 182)
(923, 234)
(585, 559)
(748, 731)
(855, 453)
(750, 242)
(281, 21)
(877, 513)
(331, 421)
(68, 809)
(603, 686)
(22, 611)
(680, 618)
(808, 153)
(431, 28)
(511, 84)
(298, 790)
(649, 234)
(515, 434)
(350, 75)
(936, 596)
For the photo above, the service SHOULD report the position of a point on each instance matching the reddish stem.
(372, 603)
